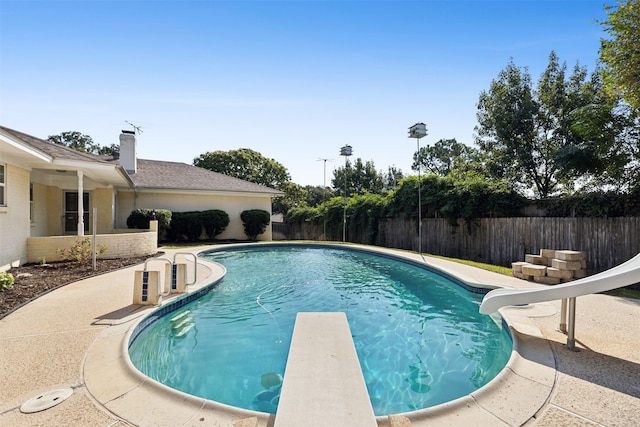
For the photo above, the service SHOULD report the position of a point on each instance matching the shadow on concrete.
(111, 318)
(597, 368)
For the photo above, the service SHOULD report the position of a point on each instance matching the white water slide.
(625, 274)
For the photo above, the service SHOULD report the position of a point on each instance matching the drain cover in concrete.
(45, 400)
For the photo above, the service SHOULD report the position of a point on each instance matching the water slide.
(625, 274)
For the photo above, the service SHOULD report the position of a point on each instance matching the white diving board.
(323, 384)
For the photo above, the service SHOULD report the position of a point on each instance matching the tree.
(295, 195)
(392, 178)
(505, 128)
(621, 54)
(82, 142)
(526, 134)
(359, 177)
(317, 194)
(445, 156)
(246, 164)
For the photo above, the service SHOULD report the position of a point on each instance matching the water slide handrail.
(622, 275)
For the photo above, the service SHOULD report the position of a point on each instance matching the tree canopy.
(359, 177)
(247, 164)
(82, 142)
(621, 53)
(445, 156)
(530, 136)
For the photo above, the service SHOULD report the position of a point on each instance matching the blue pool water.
(418, 335)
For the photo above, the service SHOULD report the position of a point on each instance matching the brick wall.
(121, 245)
(14, 218)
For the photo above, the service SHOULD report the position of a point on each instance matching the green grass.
(625, 293)
(183, 245)
(490, 267)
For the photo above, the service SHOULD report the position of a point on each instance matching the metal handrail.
(156, 259)
(195, 265)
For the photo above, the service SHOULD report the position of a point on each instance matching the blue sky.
(294, 80)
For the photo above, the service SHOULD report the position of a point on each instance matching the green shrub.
(6, 281)
(215, 222)
(301, 214)
(139, 219)
(255, 222)
(185, 225)
(81, 251)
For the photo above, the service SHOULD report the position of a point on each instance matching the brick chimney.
(128, 151)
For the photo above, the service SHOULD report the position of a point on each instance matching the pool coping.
(511, 398)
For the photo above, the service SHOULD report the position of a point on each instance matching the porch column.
(80, 204)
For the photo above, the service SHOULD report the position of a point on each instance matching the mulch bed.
(34, 280)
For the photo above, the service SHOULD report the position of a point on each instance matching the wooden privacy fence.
(606, 242)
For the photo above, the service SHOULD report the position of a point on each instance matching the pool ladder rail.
(147, 288)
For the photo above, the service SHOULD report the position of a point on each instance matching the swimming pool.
(419, 336)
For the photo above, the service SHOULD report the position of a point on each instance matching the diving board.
(625, 274)
(323, 384)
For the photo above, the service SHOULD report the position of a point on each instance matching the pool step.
(180, 315)
(323, 383)
(181, 323)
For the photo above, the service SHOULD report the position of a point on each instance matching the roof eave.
(208, 192)
(26, 148)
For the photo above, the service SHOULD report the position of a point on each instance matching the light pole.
(324, 189)
(345, 151)
(418, 131)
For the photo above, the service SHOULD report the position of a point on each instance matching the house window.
(3, 182)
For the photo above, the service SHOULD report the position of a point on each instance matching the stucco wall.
(233, 205)
(39, 220)
(55, 216)
(131, 244)
(14, 218)
(102, 199)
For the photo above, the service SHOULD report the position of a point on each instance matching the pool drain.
(46, 400)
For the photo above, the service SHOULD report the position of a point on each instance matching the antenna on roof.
(136, 129)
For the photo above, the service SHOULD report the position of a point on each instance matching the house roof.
(172, 175)
(56, 151)
(150, 174)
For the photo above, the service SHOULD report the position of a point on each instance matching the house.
(44, 186)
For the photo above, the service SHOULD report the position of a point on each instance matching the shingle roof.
(152, 174)
(54, 150)
(181, 176)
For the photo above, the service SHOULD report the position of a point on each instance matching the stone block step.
(548, 253)
(566, 265)
(535, 259)
(522, 276)
(570, 255)
(560, 274)
(516, 267)
(534, 270)
(579, 274)
(547, 280)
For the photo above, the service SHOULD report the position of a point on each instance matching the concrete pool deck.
(73, 338)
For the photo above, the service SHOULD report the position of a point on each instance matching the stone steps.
(551, 267)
